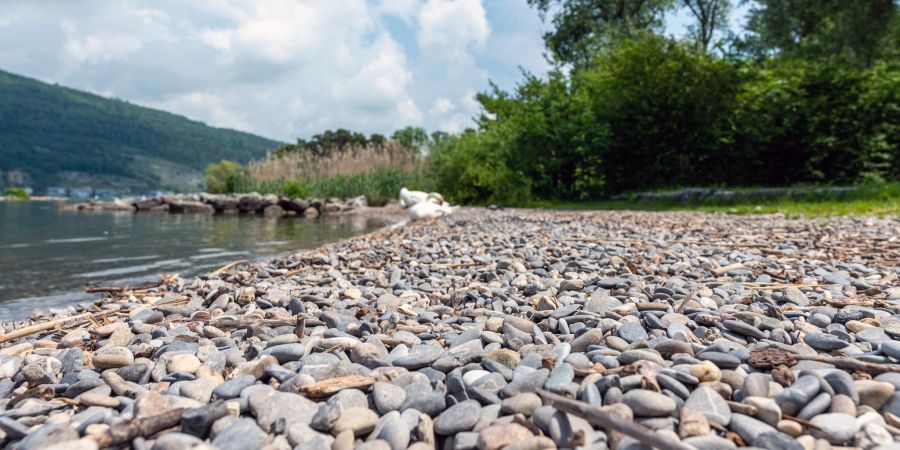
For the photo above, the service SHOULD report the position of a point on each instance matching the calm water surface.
(48, 256)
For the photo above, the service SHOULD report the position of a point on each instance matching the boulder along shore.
(252, 203)
(492, 330)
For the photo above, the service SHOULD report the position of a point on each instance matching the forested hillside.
(52, 135)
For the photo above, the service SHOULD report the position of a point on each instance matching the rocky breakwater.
(489, 330)
(253, 203)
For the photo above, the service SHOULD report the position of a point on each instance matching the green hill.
(52, 135)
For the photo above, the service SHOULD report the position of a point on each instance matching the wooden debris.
(597, 417)
(140, 427)
(326, 388)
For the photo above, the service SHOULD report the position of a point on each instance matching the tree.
(851, 30)
(412, 138)
(711, 16)
(582, 27)
(224, 176)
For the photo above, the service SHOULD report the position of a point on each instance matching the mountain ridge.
(51, 135)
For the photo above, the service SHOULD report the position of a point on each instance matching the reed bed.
(376, 171)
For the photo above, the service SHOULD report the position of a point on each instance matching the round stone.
(648, 403)
(458, 418)
(112, 357)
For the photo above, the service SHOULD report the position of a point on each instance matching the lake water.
(47, 257)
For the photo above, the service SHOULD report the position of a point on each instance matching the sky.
(283, 68)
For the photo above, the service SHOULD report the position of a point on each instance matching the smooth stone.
(709, 442)
(521, 404)
(561, 427)
(393, 430)
(790, 428)
(632, 332)
(875, 336)
(233, 387)
(183, 363)
(507, 357)
(358, 420)
(648, 403)
(496, 437)
(843, 404)
(825, 342)
(775, 440)
(749, 428)
(198, 421)
(285, 353)
(175, 441)
(816, 406)
(302, 436)
(283, 405)
(708, 402)
(836, 428)
(388, 397)
(457, 418)
(112, 357)
(873, 393)
(243, 434)
(890, 348)
(842, 383)
(767, 409)
(587, 339)
(756, 385)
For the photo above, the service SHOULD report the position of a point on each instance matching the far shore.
(33, 198)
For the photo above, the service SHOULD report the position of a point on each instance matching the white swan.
(409, 198)
(430, 209)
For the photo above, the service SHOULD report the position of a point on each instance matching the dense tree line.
(809, 92)
(341, 139)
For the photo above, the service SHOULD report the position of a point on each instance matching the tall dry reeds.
(354, 161)
(376, 171)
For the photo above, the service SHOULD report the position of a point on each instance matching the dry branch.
(140, 427)
(332, 386)
(597, 417)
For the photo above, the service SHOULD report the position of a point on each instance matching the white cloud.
(451, 28)
(280, 68)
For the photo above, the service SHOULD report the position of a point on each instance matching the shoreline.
(476, 316)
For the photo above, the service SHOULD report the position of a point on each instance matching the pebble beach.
(488, 329)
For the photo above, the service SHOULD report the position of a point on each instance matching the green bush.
(475, 168)
(667, 107)
(295, 189)
(17, 193)
(224, 176)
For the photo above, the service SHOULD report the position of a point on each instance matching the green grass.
(875, 199)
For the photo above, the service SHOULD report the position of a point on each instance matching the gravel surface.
(710, 331)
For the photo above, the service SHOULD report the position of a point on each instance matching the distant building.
(82, 193)
(105, 194)
(56, 191)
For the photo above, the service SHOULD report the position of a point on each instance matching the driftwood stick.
(770, 357)
(140, 427)
(118, 384)
(684, 303)
(600, 418)
(51, 324)
(230, 265)
(719, 271)
(331, 386)
(852, 364)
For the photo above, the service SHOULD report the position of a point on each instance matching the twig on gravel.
(230, 265)
(140, 427)
(332, 386)
(600, 418)
(684, 303)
